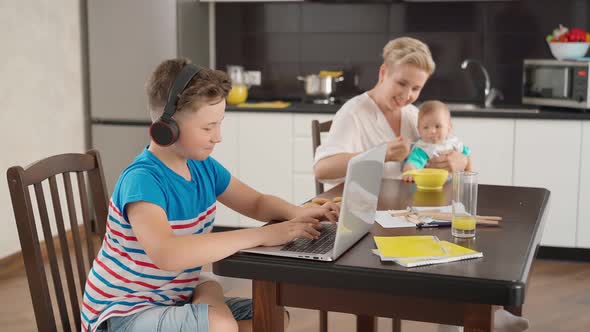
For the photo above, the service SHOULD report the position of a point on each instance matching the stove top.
(323, 101)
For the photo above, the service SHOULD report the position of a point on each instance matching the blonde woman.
(383, 114)
(386, 114)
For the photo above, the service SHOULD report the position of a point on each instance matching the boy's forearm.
(202, 249)
(269, 207)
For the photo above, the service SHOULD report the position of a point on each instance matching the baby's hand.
(407, 178)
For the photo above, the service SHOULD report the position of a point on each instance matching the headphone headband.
(165, 131)
(180, 83)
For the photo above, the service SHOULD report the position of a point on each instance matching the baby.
(434, 127)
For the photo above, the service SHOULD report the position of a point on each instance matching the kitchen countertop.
(544, 113)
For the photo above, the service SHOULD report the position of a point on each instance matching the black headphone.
(165, 131)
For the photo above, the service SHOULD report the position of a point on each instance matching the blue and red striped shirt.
(123, 280)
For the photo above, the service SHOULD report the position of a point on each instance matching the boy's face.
(200, 131)
(400, 85)
(434, 127)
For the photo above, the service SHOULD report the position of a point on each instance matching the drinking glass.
(464, 202)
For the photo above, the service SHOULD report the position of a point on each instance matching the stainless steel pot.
(320, 86)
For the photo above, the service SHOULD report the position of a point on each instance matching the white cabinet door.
(547, 155)
(303, 179)
(492, 146)
(226, 153)
(266, 155)
(303, 153)
(583, 233)
(303, 187)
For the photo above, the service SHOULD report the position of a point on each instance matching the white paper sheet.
(386, 220)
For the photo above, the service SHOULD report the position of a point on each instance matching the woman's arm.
(332, 167)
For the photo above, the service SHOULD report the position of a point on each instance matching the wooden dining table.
(459, 293)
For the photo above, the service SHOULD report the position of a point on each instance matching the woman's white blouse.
(360, 125)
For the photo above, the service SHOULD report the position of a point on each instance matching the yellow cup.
(237, 95)
(463, 223)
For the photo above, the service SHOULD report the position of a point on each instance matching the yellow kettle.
(238, 94)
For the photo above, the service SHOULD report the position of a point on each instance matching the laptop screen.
(359, 198)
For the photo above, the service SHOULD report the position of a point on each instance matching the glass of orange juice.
(464, 203)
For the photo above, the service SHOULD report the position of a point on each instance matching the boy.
(434, 127)
(146, 275)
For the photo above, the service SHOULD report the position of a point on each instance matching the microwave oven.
(556, 83)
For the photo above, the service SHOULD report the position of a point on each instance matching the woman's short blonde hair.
(407, 50)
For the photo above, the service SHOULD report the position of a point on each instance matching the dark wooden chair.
(91, 207)
(317, 128)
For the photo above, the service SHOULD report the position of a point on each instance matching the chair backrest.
(92, 204)
(317, 128)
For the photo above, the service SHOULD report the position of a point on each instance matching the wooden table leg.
(366, 323)
(268, 316)
(323, 321)
(478, 318)
(515, 310)
(396, 325)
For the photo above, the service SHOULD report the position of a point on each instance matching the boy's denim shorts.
(184, 317)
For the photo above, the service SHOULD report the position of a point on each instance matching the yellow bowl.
(429, 179)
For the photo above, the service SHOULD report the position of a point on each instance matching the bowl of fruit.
(567, 43)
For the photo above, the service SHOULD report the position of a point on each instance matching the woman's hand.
(281, 233)
(329, 210)
(451, 160)
(397, 149)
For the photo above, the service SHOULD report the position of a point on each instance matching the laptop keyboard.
(322, 245)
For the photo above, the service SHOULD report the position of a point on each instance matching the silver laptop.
(357, 213)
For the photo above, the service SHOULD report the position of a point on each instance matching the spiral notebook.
(411, 251)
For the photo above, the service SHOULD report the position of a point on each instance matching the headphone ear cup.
(164, 132)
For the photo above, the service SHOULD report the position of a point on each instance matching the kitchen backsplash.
(284, 40)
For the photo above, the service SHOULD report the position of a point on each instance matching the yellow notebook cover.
(410, 246)
(455, 253)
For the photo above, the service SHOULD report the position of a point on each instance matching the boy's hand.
(329, 210)
(397, 149)
(281, 233)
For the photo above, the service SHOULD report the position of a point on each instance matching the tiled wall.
(284, 40)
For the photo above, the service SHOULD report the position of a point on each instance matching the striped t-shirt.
(123, 280)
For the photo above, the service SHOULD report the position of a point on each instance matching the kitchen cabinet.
(272, 153)
(492, 155)
(547, 154)
(226, 153)
(266, 155)
(304, 183)
(583, 230)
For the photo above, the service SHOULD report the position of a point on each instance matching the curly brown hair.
(207, 87)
